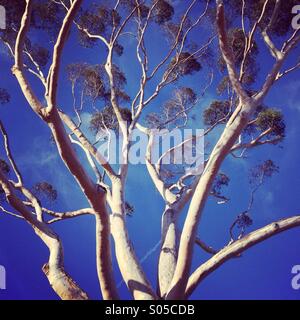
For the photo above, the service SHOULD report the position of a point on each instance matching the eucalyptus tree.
(202, 39)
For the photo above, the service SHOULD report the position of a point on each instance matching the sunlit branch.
(90, 159)
(10, 155)
(249, 40)
(205, 247)
(57, 53)
(284, 73)
(176, 41)
(18, 68)
(86, 144)
(92, 36)
(39, 73)
(237, 248)
(227, 53)
(61, 282)
(10, 213)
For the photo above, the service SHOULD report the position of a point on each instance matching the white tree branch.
(237, 247)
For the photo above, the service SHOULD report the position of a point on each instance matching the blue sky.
(263, 272)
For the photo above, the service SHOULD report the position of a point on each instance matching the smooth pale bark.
(104, 269)
(64, 286)
(237, 248)
(168, 252)
(96, 197)
(170, 234)
(131, 269)
(113, 94)
(187, 241)
(60, 281)
(129, 266)
(86, 144)
(169, 231)
(9, 154)
(52, 82)
(234, 128)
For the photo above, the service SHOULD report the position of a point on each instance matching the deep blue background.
(263, 272)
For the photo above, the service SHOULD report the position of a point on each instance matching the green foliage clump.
(4, 167)
(44, 190)
(244, 221)
(282, 22)
(129, 209)
(154, 120)
(221, 180)
(174, 110)
(263, 170)
(46, 16)
(183, 98)
(217, 111)
(89, 78)
(93, 82)
(223, 85)
(271, 118)
(184, 64)
(130, 6)
(163, 12)
(4, 96)
(106, 118)
(40, 55)
(98, 20)
(236, 40)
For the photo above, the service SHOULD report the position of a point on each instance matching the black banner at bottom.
(151, 310)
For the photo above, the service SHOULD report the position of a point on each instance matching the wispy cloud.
(292, 94)
(42, 162)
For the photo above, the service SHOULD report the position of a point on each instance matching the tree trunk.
(104, 269)
(97, 200)
(130, 268)
(231, 133)
(64, 286)
(168, 253)
(61, 283)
